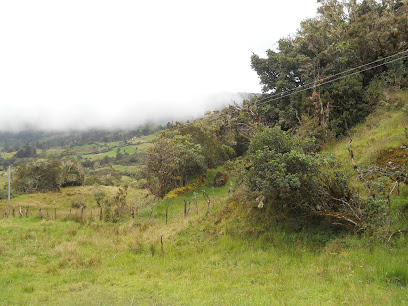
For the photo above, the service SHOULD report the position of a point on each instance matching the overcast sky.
(96, 63)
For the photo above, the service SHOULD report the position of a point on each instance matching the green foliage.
(72, 173)
(46, 174)
(3, 192)
(172, 162)
(315, 135)
(28, 150)
(99, 196)
(40, 175)
(290, 181)
(344, 35)
(105, 176)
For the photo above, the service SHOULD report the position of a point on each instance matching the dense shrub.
(46, 174)
(172, 163)
(40, 175)
(292, 182)
(72, 173)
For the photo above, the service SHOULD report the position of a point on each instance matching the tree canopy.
(343, 35)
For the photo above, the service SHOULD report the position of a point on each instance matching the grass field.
(204, 262)
(213, 257)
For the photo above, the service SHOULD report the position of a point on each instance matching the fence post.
(207, 199)
(167, 209)
(161, 242)
(195, 199)
(151, 212)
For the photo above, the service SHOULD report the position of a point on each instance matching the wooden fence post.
(207, 199)
(195, 199)
(40, 210)
(161, 242)
(167, 209)
(151, 212)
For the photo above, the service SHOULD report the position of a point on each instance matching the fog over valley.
(99, 64)
(75, 116)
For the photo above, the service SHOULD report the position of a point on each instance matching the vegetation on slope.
(301, 211)
(214, 256)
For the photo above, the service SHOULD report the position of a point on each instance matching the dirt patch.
(393, 157)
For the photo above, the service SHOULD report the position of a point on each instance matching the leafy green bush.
(40, 175)
(46, 174)
(172, 163)
(292, 182)
(72, 173)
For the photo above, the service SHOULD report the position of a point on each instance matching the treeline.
(273, 141)
(343, 35)
(186, 150)
(37, 140)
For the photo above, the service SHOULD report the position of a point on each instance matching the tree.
(172, 162)
(344, 35)
(40, 175)
(27, 151)
(72, 173)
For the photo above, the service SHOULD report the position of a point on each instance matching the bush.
(291, 182)
(172, 163)
(46, 174)
(40, 175)
(72, 173)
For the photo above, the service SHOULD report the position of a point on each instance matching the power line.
(279, 95)
(274, 98)
(340, 73)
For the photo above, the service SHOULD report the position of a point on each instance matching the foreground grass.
(204, 262)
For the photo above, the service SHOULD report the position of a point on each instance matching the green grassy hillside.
(213, 257)
(385, 129)
(216, 254)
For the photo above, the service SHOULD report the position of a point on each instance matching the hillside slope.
(385, 129)
(216, 252)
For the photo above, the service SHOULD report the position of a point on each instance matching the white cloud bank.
(97, 63)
